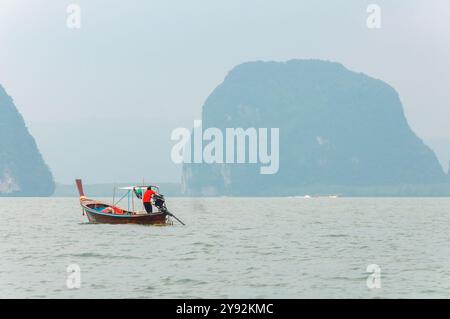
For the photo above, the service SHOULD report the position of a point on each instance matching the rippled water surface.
(231, 248)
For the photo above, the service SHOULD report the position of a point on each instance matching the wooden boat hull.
(147, 219)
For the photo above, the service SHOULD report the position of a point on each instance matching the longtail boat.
(100, 212)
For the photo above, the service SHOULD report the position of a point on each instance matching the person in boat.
(147, 199)
(138, 192)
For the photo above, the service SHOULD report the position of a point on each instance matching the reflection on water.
(256, 248)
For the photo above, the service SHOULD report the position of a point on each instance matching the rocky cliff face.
(340, 132)
(23, 172)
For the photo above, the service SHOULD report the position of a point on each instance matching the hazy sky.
(102, 100)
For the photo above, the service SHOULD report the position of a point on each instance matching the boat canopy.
(129, 188)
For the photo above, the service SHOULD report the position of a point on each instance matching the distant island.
(23, 171)
(341, 132)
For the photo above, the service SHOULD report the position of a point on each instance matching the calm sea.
(231, 248)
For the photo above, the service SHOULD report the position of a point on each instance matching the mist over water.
(231, 247)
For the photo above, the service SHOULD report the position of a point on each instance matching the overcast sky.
(102, 100)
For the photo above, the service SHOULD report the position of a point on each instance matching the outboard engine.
(160, 202)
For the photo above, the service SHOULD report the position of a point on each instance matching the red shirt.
(148, 196)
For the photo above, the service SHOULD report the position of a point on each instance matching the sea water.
(230, 248)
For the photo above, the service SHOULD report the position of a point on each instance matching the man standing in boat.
(147, 199)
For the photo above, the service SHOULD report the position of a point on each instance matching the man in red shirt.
(146, 199)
